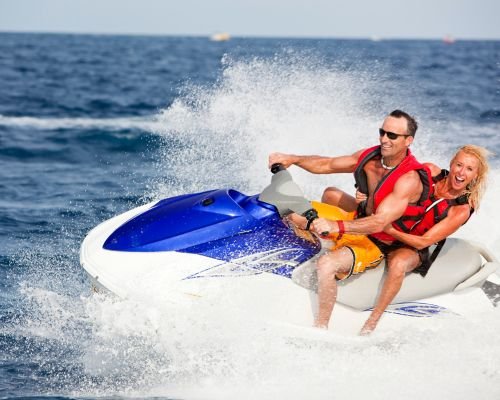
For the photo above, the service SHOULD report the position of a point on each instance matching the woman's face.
(464, 168)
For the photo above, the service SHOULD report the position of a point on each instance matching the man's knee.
(327, 264)
(338, 261)
(331, 195)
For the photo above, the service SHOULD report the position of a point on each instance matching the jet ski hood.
(181, 222)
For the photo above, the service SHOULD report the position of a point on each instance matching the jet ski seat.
(457, 262)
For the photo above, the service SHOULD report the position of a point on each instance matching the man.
(395, 184)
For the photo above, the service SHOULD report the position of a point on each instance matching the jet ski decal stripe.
(280, 262)
(416, 309)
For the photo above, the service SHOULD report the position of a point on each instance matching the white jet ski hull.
(193, 280)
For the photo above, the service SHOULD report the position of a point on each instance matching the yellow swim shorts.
(365, 253)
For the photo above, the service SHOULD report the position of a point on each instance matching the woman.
(456, 195)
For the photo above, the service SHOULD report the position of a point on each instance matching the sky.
(426, 19)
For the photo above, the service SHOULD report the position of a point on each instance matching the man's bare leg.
(338, 261)
(339, 198)
(332, 196)
(399, 262)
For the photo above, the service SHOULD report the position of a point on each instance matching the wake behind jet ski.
(221, 245)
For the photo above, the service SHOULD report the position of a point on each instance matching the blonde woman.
(456, 194)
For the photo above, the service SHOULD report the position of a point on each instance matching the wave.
(490, 115)
(70, 140)
(148, 124)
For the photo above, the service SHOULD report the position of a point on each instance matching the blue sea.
(91, 126)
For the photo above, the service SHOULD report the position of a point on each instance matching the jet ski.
(222, 248)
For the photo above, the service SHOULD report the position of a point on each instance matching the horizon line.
(246, 36)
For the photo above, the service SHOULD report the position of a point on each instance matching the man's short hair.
(410, 121)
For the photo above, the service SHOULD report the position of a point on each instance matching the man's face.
(393, 147)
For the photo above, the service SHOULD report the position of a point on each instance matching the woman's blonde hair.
(477, 187)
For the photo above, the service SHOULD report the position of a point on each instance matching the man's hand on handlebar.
(281, 158)
(322, 226)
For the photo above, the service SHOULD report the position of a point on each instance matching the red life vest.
(413, 212)
(437, 209)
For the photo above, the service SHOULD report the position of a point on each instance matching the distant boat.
(448, 39)
(220, 37)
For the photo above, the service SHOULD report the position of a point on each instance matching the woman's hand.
(389, 229)
(360, 197)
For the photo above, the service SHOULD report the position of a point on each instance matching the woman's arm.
(435, 170)
(457, 216)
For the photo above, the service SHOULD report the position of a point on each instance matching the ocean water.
(91, 126)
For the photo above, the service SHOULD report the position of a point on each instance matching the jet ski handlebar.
(311, 215)
(277, 167)
(299, 205)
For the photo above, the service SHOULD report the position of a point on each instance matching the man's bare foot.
(368, 327)
(365, 331)
(320, 325)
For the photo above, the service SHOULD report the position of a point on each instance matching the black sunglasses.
(390, 135)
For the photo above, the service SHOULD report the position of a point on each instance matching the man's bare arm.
(390, 209)
(317, 164)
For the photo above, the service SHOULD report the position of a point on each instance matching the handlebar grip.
(311, 215)
(275, 168)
